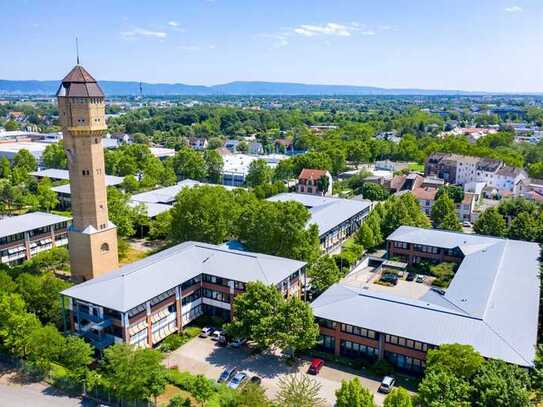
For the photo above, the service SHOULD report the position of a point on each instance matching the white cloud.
(143, 33)
(326, 29)
(513, 9)
(173, 23)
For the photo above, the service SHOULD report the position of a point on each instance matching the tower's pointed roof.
(79, 83)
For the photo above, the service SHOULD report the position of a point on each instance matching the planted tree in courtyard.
(295, 326)
(299, 390)
(353, 394)
(398, 397)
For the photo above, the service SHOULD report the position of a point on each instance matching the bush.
(382, 368)
(199, 386)
(175, 341)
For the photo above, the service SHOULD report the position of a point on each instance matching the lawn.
(416, 167)
(132, 255)
(171, 391)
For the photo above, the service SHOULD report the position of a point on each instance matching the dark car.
(316, 366)
(410, 276)
(222, 340)
(390, 278)
(256, 380)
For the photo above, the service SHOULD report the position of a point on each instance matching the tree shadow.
(265, 364)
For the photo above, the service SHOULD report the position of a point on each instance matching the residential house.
(316, 182)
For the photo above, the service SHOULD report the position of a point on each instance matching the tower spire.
(77, 49)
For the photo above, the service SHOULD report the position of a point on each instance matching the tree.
(54, 156)
(255, 313)
(455, 192)
(443, 209)
(47, 198)
(160, 227)
(5, 170)
(285, 225)
(11, 125)
(189, 164)
(296, 327)
(121, 214)
(462, 361)
(259, 173)
(24, 160)
(402, 210)
(450, 222)
(365, 237)
(398, 397)
(323, 273)
(203, 214)
(214, 164)
(130, 184)
(374, 192)
(299, 390)
(490, 223)
(252, 395)
(46, 344)
(524, 227)
(76, 354)
(443, 389)
(55, 259)
(352, 394)
(16, 333)
(133, 374)
(41, 294)
(499, 384)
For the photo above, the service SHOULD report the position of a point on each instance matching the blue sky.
(494, 45)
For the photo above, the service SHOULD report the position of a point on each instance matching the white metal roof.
(33, 220)
(492, 302)
(59, 174)
(326, 212)
(132, 285)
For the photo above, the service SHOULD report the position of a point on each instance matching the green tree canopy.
(323, 273)
(190, 164)
(259, 173)
(54, 156)
(490, 223)
(299, 391)
(462, 361)
(398, 397)
(353, 394)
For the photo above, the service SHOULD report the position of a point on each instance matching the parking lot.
(202, 355)
(365, 277)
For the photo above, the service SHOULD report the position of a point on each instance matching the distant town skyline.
(492, 46)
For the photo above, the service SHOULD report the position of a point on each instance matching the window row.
(405, 362)
(406, 343)
(191, 282)
(354, 330)
(326, 323)
(192, 297)
(348, 348)
(216, 295)
(326, 343)
(426, 249)
(401, 245)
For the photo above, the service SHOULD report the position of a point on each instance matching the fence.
(68, 386)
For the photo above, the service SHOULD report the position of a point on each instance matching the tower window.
(104, 247)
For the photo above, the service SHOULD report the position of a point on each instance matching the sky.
(479, 45)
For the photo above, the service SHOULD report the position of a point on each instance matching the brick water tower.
(92, 237)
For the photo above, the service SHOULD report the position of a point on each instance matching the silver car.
(237, 380)
(227, 374)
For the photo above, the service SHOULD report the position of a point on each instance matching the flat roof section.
(29, 221)
(326, 212)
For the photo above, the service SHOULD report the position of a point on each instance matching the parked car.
(227, 374)
(256, 380)
(217, 334)
(390, 278)
(222, 340)
(420, 278)
(316, 366)
(237, 380)
(410, 276)
(206, 331)
(238, 342)
(387, 384)
(467, 224)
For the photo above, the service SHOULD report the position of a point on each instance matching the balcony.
(99, 341)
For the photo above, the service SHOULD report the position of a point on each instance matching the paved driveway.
(204, 357)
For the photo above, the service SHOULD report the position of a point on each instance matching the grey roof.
(492, 302)
(133, 284)
(326, 212)
(151, 209)
(33, 220)
(58, 174)
(167, 195)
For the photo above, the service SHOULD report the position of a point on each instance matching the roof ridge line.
(506, 342)
(491, 292)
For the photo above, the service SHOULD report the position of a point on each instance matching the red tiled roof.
(426, 193)
(311, 174)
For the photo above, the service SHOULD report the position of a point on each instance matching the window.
(354, 330)
(406, 343)
(326, 343)
(104, 247)
(353, 349)
(326, 323)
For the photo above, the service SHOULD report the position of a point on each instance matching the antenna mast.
(77, 49)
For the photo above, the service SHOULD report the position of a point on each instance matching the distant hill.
(119, 88)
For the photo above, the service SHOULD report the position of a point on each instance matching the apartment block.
(144, 302)
(492, 303)
(23, 236)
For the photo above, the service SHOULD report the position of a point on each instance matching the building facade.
(316, 182)
(131, 305)
(23, 236)
(492, 303)
(93, 238)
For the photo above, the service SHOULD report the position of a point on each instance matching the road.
(35, 395)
